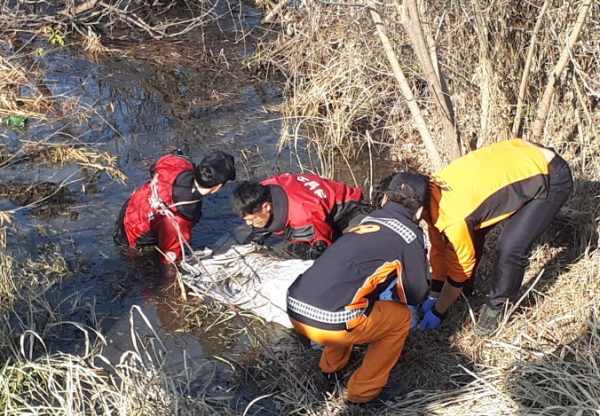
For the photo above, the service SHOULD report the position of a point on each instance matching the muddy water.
(146, 100)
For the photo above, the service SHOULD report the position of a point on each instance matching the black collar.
(279, 210)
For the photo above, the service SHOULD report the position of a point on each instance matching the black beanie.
(216, 168)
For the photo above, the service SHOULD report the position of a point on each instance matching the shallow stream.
(141, 101)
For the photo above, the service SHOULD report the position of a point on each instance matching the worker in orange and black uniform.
(520, 182)
(305, 209)
(163, 212)
(336, 302)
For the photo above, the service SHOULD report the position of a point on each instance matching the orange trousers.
(385, 330)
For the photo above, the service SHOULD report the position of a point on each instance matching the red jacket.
(147, 225)
(314, 205)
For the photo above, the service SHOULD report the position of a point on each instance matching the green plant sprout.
(55, 36)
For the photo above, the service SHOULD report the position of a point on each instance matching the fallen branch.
(278, 7)
(82, 8)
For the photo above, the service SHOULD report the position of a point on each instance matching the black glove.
(305, 251)
(300, 250)
(258, 236)
(317, 249)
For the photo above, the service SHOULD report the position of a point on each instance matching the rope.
(161, 208)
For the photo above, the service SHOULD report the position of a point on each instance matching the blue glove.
(431, 320)
(414, 320)
(428, 304)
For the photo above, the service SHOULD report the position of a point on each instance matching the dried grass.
(339, 87)
(36, 381)
(76, 23)
(341, 98)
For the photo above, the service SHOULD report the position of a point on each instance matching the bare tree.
(425, 50)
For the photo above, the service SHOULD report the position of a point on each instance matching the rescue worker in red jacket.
(305, 209)
(336, 303)
(163, 212)
(514, 180)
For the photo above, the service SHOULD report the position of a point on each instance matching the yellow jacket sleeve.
(437, 254)
(460, 252)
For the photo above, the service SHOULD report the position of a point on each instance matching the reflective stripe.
(402, 230)
(321, 315)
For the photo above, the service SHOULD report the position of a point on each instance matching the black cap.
(413, 185)
(216, 168)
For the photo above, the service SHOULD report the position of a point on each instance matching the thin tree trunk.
(488, 76)
(525, 77)
(544, 107)
(406, 90)
(411, 21)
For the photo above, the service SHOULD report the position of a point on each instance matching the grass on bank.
(35, 381)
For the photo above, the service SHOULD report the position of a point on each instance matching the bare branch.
(424, 50)
(525, 77)
(544, 107)
(406, 90)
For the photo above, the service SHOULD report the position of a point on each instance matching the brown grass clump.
(35, 381)
(341, 95)
(7, 288)
(67, 153)
(13, 76)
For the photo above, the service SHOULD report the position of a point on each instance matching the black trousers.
(522, 229)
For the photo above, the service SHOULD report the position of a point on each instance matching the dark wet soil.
(47, 200)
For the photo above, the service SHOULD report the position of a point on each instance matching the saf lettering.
(313, 186)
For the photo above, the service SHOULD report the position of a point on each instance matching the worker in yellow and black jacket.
(337, 301)
(521, 182)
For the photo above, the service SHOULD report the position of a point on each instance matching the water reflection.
(138, 104)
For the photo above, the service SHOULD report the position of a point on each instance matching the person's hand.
(414, 319)
(301, 250)
(429, 303)
(431, 320)
(317, 249)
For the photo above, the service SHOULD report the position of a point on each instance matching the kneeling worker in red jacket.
(305, 209)
(163, 212)
(336, 302)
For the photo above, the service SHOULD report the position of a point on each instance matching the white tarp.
(247, 276)
(251, 278)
